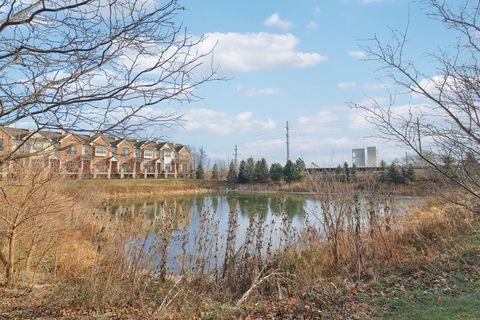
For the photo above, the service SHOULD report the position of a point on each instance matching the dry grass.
(101, 263)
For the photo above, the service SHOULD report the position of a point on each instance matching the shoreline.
(107, 190)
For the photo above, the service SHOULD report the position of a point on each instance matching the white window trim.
(100, 148)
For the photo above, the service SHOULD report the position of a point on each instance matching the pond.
(204, 231)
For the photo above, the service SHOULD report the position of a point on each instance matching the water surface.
(204, 230)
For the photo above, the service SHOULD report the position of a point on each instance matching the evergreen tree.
(199, 172)
(393, 175)
(261, 171)
(383, 171)
(276, 172)
(215, 172)
(353, 172)
(242, 172)
(408, 173)
(250, 170)
(232, 173)
(411, 173)
(339, 172)
(300, 169)
(289, 171)
(346, 171)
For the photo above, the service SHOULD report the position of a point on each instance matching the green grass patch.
(448, 288)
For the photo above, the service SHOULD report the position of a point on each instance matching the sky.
(301, 62)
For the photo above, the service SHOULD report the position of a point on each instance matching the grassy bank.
(420, 188)
(142, 188)
(426, 261)
(361, 261)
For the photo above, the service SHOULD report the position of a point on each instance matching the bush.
(276, 172)
(261, 171)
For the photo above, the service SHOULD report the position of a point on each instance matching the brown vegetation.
(89, 263)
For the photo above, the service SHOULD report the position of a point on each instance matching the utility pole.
(288, 142)
(236, 155)
(419, 142)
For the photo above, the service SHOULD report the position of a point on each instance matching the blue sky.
(299, 61)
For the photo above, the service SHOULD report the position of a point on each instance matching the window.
(71, 166)
(168, 168)
(148, 154)
(125, 167)
(125, 152)
(158, 154)
(86, 149)
(167, 154)
(38, 146)
(100, 151)
(1, 145)
(137, 153)
(72, 150)
(100, 166)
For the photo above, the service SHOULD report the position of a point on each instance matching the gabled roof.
(163, 145)
(179, 147)
(16, 133)
(21, 134)
(56, 136)
(139, 144)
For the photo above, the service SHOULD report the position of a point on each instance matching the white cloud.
(318, 119)
(216, 122)
(312, 25)
(254, 92)
(358, 121)
(244, 52)
(276, 21)
(346, 85)
(357, 54)
(317, 11)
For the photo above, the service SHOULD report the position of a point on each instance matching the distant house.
(166, 152)
(183, 161)
(98, 156)
(29, 147)
(146, 151)
(124, 153)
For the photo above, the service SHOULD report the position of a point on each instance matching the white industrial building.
(365, 157)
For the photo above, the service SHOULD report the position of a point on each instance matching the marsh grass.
(102, 261)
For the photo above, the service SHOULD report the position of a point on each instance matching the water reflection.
(211, 232)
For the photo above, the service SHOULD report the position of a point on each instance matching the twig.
(255, 284)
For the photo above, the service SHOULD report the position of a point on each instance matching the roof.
(56, 136)
(16, 133)
(179, 147)
(163, 144)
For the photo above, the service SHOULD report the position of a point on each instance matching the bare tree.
(443, 129)
(33, 215)
(95, 66)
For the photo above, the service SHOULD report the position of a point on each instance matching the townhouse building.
(99, 156)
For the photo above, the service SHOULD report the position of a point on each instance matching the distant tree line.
(396, 173)
(346, 173)
(251, 171)
(393, 173)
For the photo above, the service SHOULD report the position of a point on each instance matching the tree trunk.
(11, 258)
